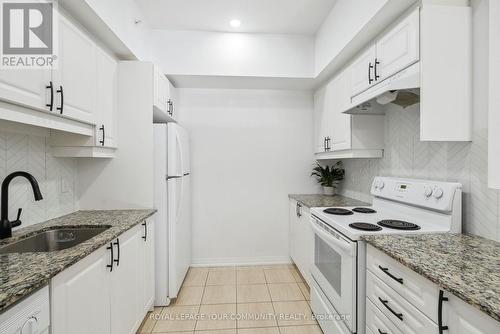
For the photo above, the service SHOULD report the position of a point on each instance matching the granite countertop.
(315, 201)
(465, 265)
(23, 274)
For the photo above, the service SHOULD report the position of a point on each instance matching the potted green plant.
(329, 177)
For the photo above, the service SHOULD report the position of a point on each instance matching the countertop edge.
(43, 281)
(440, 284)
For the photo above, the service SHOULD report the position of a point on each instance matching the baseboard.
(241, 261)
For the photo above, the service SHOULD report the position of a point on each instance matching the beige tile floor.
(237, 300)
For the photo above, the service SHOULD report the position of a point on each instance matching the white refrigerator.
(173, 219)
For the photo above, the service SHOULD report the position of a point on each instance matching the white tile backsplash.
(23, 152)
(406, 156)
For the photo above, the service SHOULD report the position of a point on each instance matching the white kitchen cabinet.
(446, 73)
(338, 99)
(398, 48)
(161, 90)
(80, 296)
(362, 71)
(75, 77)
(340, 135)
(416, 300)
(147, 264)
(103, 113)
(301, 238)
(462, 318)
(394, 51)
(29, 88)
(107, 76)
(107, 291)
(320, 123)
(125, 286)
(164, 98)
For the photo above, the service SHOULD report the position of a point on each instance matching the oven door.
(335, 269)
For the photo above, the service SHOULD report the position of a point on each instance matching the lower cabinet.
(301, 238)
(125, 285)
(110, 291)
(401, 301)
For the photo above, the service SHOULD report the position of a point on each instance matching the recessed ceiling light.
(235, 23)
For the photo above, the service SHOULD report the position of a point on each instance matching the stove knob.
(427, 191)
(438, 193)
(381, 185)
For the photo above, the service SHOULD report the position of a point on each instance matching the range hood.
(403, 89)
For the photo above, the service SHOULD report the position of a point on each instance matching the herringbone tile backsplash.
(406, 156)
(21, 152)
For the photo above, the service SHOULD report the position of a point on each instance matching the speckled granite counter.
(467, 266)
(314, 201)
(23, 274)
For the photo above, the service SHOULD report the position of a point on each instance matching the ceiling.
(256, 16)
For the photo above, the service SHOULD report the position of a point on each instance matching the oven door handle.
(340, 243)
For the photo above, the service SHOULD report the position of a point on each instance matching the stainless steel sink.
(53, 240)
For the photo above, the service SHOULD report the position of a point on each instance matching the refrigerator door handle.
(173, 177)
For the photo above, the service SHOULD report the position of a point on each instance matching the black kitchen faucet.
(6, 225)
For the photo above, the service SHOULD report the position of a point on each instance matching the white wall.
(406, 156)
(234, 54)
(25, 148)
(250, 149)
(345, 20)
(120, 16)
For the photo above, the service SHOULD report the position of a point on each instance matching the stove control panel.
(433, 195)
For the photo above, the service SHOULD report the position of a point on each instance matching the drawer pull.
(385, 303)
(380, 332)
(442, 299)
(386, 271)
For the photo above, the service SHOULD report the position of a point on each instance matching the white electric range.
(400, 206)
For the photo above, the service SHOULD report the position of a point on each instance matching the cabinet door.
(161, 90)
(147, 266)
(462, 318)
(76, 73)
(26, 87)
(106, 99)
(338, 123)
(125, 290)
(398, 48)
(319, 123)
(305, 237)
(80, 296)
(293, 211)
(174, 111)
(362, 75)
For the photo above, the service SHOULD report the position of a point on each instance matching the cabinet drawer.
(404, 315)
(377, 322)
(419, 291)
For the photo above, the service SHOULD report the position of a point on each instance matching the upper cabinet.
(164, 98)
(397, 49)
(339, 135)
(427, 55)
(106, 95)
(85, 88)
(75, 78)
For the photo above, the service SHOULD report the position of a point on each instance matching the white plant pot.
(329, 191)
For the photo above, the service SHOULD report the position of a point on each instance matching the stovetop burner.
(365, 227)
(398, 224)
(364, 210)
(338, 211)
